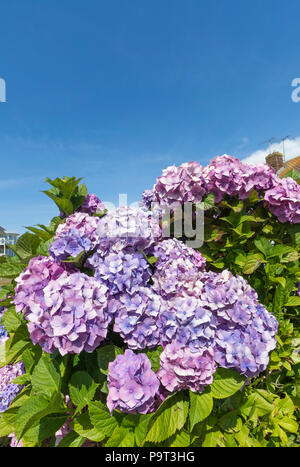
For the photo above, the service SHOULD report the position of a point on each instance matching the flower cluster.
(245, 330)
(29, 293)
(176, 268)
(126, 227)
(132, 384)
(71, 244)
(9, 390)
(92, 205)
(120, 271)
(283, 200)
(187, 322)
(137, 318)
(83, 222)
(75, 315)
(183, 369)
(226, 176)
(3, 331)
(178, 185)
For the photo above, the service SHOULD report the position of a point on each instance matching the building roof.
(290, 165)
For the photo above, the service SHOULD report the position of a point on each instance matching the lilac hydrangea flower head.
(283, 200)
(178, 185)
(70, 244)
(245, 331)
(126, 227)
(188, 323)
(183, 369)
(29, 292)
(76, 315)
(226, 175)
(178, 266)
(173, 249)
(3, 331)
(120, 271)
(9, 390)
(83, 222)
(137, 318)
(92, 205)
(148, 197)
(132, 384)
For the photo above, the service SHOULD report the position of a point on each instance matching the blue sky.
(115, 91)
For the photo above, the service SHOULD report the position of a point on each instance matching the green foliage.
(241, 236)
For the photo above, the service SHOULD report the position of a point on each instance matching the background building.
(7, 238)
(280, 166)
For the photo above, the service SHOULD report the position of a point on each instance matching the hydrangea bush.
(112, 335)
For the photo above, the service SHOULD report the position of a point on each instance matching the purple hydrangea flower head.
(188, 323)
(137, 318)
(132, 384)
(9, 390)
(245, 333)
(83, 222)
(92, 205)
(29, 293)
(226, 175)
(178, 185)
(298, 293)
(3, 331)
(121, 271)
(126, 227)
(178, 266)
(148, 197)
(283, 200)
(76, 315)
(173, 249)
(70, 244)
(183, 369)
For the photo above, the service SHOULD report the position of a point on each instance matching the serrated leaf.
(46, 377)
(226, 383)
(201, 406)
(169, 418)
(82, 389)
(102, 420)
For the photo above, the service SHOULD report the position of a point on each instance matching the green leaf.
(101, 419)
(46, 377)
(105, 355)
(84, 428)
(252, 264)
(226, 383)
(43, 429)
(264, 245)
(11, 320)
(122, 438)
(169, 418)
(82, 389)
(201, 406)
(288, 424)
(11, 270)
(293, 301)
(71, 440)
(154, 357)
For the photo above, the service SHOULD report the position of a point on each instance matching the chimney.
(275, 160)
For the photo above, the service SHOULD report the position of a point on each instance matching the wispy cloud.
(292, 149)
(13, 182)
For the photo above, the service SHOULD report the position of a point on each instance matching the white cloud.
(292, 149)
